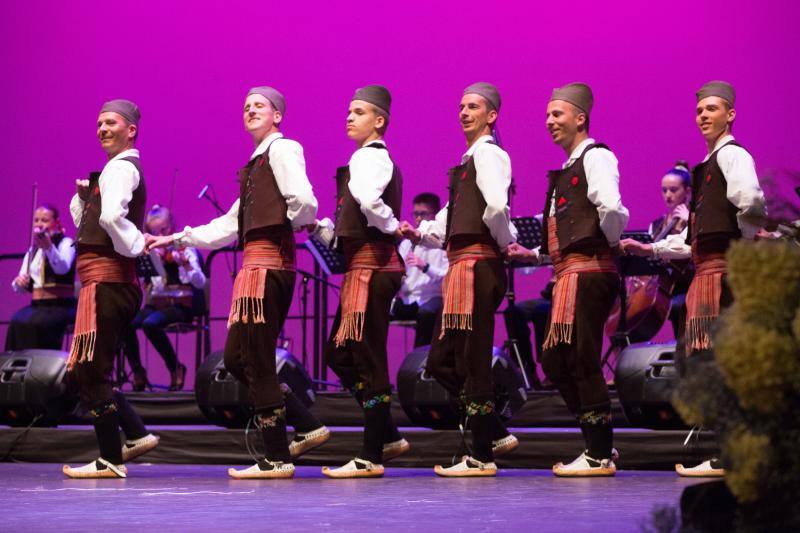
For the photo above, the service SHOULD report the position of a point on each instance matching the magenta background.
(188, 65)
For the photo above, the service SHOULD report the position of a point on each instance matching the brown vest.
(466, 206)
(90, 233)
(350, 221)
(577, 222)
(715, 224)
(261, 203)
(51, 279)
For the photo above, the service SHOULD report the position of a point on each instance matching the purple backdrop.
(188, 65)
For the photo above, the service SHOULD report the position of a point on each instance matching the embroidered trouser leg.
(576, 369)
(363, 366)
(117, 304)
(461, 361)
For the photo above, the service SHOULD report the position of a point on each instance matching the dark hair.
(681, 170)
(50, 207)
(430, 199)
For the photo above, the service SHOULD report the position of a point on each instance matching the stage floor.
(37, 497)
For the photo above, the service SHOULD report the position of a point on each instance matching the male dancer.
(369, 194)
(584, 218)
(108, 210)
(727, 204)
(275, 199)
(475, 228)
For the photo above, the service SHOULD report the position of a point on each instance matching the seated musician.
(420, 295)
(669, 240)
(175, 296)
(48, 272)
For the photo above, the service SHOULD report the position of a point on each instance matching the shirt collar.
(576, 153)
(262, 147)
(130, 152)
(376, 141)
(722, 141)
(481, 140)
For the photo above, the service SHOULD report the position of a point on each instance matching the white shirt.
(602, 179)
(418, 286)
(289, 167)
(117, 182)
(371, 171)
(743, 189)
(60, 258)
(493, 177)
(673, 246)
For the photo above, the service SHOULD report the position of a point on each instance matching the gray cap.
(377, 95)
(723, 89)
(488, 91)
(275, 97)
(577, 94)
(125, 108)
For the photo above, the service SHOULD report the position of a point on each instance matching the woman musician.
(669, 233)
(175, 296)
(48, 273)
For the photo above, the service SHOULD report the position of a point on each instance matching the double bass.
(649, 298)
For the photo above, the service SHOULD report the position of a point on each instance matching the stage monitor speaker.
(32, 387)
(223, 399)
(428, 404)
(645, 378)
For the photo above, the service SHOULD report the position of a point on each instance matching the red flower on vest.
(708, 178)
(463, 175)
(96, 190)
(561, 201)
(574, 180)
(261, 162)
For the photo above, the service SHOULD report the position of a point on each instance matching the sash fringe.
(354, 296)
(85, 334)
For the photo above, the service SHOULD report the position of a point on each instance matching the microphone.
(202, 192)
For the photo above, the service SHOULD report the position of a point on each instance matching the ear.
(380, 121)
(731, 115)
(277, 117)
(491, 116)
(580, 120)
(133, 129)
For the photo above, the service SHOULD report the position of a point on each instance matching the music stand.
(331, 261)
(529, 235)
(146, 267)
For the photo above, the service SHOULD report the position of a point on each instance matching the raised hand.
(82, 188)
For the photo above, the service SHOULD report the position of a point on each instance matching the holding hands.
(409, 232)
(517, 252)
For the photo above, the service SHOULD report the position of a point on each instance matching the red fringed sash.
(702, 299)
(459, 285)
(565, 292)
(250, 285)
(92, 269)
(363, 258)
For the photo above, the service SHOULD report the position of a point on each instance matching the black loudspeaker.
(645, 377)
(32, 387)
(223, 399)
(428, 404)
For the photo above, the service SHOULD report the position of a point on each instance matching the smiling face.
(260, 118)
(44, 220)
(476, 116)
(115, 133)
(363, 122)
(714, 117)
(564, 121)
(673, 191)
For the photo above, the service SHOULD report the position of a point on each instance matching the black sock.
(599, 433)
(499, 430)
(272, 424)
(298, 415)
(391, 434)
(482, 426)
(106, 429)
(376, 415)
(130, 421)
